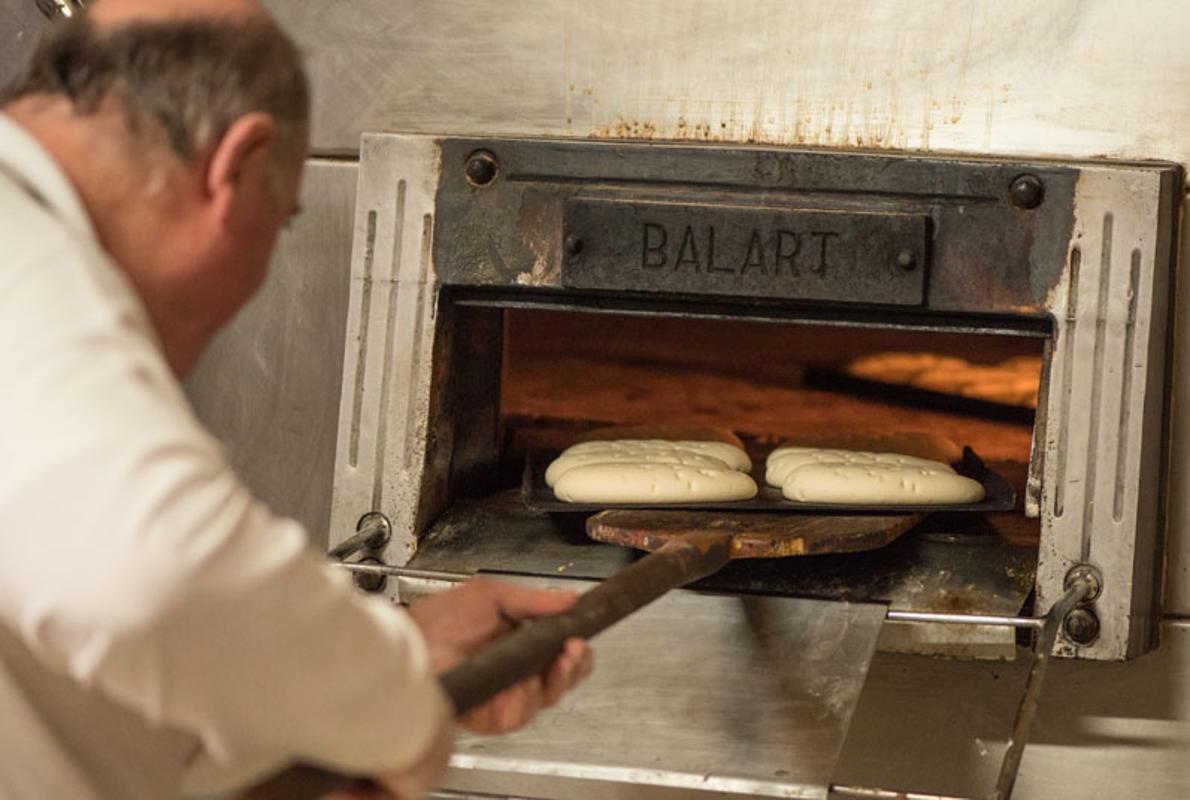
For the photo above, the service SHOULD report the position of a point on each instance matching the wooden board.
(753, 535)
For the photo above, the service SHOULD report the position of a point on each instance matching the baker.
(161, 630)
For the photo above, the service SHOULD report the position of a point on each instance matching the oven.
(508, 294)
(502, 263)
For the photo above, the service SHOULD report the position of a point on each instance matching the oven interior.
(525, 380)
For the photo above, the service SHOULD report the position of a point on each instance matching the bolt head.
(572, 245)
(1081, 626)
(1027, 191)
(481, 168)
(368, 582)
(906, 260)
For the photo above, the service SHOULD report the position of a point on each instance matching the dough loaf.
(870, 484)
(784, 460)
(652, 483)
(686, 458)
(729, 454)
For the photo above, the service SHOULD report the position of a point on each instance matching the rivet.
(1027, 191)
(481, 168)
(1081, 626)
(370, 581)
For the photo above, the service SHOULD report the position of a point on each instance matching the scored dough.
(875, 483)
(732, 456)
(784, 460)
(652, 483)
(569, 460)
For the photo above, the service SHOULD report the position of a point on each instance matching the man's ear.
(240, 163)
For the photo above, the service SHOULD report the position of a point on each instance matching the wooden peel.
(684, 547)
(752, 535)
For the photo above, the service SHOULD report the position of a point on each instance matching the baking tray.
(1000, 496)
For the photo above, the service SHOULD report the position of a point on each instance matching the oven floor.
(948, 564)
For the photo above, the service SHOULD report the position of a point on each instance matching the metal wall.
(1074, 78)
(1079, 79)
(268, 385)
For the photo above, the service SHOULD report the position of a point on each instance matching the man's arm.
(173, 590)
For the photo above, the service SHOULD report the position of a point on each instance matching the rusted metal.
(994, 245)
(755, 251)
(752, 535)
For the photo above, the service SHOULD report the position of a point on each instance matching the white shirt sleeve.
(133, 559)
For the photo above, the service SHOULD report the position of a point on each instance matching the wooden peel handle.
(529, 649)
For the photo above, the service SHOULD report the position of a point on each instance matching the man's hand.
(459, 622)
(463, 620)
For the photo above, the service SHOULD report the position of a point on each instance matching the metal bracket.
(372, 532)
(1081, 587)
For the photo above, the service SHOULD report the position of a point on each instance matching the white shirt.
(136, 570)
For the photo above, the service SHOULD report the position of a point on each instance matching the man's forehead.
(116, 12)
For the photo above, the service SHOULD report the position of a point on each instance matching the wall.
(1075, 78)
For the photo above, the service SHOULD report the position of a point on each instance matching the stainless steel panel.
(269, 384)
(743, 696)
(388, 366)
(20, 25)
(1076, 78)
(1103, 730)
(1100, 441)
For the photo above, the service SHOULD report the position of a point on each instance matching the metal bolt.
(381, 527)
(1027, 191)
(1088, 573)
(906, 260)
(1081, 626)
(481, 168)
(572, 245)
(369, 581)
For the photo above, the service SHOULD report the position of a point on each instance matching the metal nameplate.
(750, 251)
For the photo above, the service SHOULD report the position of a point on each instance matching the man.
(157, 623)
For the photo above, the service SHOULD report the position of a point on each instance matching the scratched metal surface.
(764, 687)
(268, 385)
(1074, 78)
(20, 25)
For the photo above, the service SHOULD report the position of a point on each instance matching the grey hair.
(188, 79)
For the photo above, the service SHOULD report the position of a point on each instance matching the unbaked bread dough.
(652, 483)
(569, 460)
(734, 457)
(869, 484)
(784, 460)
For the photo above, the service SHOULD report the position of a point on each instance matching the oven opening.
(768, 382)
(562, 373)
